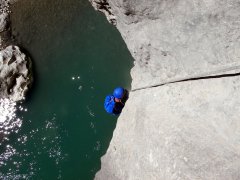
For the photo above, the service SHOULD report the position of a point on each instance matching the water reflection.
(9, 122)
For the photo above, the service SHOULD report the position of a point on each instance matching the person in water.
(115, 102)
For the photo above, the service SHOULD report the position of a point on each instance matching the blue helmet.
(118, 92)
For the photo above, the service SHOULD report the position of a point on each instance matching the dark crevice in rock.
(190, 79)
(23, 85)
(12, 82)
(12, 60)
(104, 7)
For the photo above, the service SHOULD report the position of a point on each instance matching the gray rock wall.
(187, 130)
(179, 39)
(178, 130)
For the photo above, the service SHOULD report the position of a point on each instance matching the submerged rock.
(178, 130)
(15, 76)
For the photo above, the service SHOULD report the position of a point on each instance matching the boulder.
(15, 74)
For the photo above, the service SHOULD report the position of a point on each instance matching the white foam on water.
(80, 88)
(10, 151)
(90, 112)
(97, 146)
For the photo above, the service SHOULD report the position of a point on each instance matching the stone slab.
(187, 130)
(173, 40)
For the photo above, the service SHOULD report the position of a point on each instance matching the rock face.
(179, 39)
(15, 77)
(187, 130)
(171, 128)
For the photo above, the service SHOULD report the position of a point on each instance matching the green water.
(78, 59)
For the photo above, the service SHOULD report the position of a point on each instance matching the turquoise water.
(78, 59)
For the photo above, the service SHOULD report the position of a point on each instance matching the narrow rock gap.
(189, 79)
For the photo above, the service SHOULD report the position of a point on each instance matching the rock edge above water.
(15, 66)
(15, 76)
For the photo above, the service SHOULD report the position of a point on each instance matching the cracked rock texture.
(15, 76)
(186, 130)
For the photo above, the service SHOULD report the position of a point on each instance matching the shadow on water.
(78, 58)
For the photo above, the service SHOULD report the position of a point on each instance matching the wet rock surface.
(171, 128)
